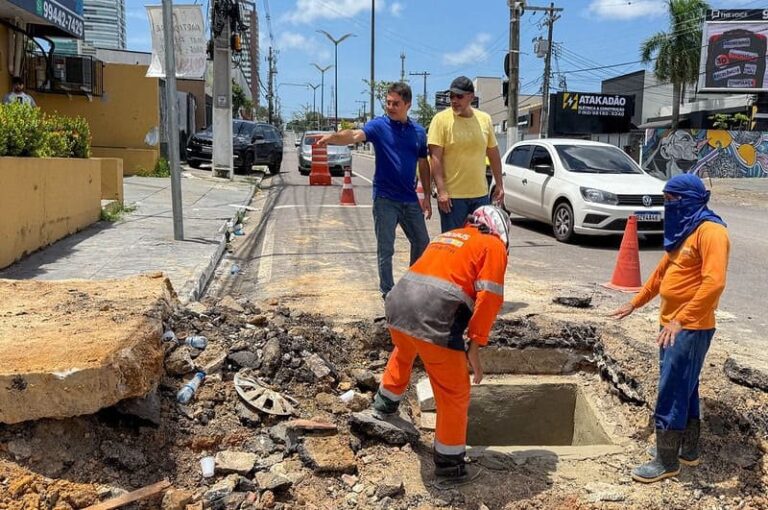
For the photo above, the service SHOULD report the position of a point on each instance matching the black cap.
(462, 85)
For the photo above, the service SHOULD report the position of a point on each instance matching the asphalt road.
(312, 252)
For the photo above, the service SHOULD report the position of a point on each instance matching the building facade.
(104, 27)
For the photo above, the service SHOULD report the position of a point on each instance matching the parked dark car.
(253, 143)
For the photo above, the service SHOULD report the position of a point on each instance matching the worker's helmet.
(492, 220)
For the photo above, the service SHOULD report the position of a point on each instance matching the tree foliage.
(423, 112)
(241, 105)
(675, 53)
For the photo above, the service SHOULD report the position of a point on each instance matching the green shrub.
(162, 169)
(26, 131)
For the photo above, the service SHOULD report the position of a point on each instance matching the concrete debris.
(211, 360)
(229, 304)
(244, 359)
(390, 488)
(176, 499)
(599, 491)
(743, 371)
(328, 454)
(394, 430)
(272, 355)
(147, 408)
(272, 482)
(317, 365)
(220, 490)
(365, 379)
(425, 395)
(179, 362)
(247, 416)
(235, 462)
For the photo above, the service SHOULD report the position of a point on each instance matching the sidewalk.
(143, 240)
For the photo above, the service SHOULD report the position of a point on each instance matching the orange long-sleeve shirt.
(690, 279)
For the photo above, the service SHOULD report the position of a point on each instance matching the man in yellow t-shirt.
(459, 139)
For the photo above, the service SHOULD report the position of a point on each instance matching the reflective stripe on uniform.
(490, 287)
(441, 284)
(449, 449)
(391, 396)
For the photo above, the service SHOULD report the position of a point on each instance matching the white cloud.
(311, 46)
(396, 8)
(630, 9)
(475, 51)
(308, 11)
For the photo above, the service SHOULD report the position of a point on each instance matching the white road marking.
(265, 261)
(363, 177)
(309, 206)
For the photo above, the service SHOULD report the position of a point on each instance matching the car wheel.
(491, 191)
(274, 168)
(562, 222)
(194, 163)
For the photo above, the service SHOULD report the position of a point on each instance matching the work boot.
(665, 464)
(689, 453)
(384, 405)
(449, 466)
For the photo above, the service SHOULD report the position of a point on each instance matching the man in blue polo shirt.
(401, 146)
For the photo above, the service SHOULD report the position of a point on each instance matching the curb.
(200, 284)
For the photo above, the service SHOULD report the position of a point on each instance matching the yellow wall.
(121, 118)
(43, 200)
(111, 179)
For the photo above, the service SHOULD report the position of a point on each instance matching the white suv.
(580, 187)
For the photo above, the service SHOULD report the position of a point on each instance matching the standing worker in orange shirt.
(690, 279)
(457, 285)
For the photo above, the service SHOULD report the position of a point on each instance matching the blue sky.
(446, 38)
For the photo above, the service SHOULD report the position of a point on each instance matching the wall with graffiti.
(705, 152)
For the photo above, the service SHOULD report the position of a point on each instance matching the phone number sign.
(66, 15)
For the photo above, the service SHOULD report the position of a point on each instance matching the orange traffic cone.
(320, 175)
(420, 193)
(626, 275)
(347, 193)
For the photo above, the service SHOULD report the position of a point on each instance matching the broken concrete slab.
(146, 408)
(744, 371)
(272, 482)
(230, 461)
(330, 454)
(72, 347)
(394, 430)
(425, 394)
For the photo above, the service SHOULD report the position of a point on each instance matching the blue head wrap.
(681, 217)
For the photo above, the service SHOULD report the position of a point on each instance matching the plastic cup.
(207, 464)
(347, 396)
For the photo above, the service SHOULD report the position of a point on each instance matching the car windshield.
(240, 128)
(592, 159)
(311, 139)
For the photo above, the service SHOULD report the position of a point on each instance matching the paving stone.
(425, 395)
(328, 454)
(428, 421)
(230, 461)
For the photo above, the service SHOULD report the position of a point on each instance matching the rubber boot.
(689, 453)
(384, 405)
(665, 464)
(449, 466)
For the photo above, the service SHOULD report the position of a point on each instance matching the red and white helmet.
(494, 220)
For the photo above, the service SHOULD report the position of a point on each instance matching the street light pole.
(322, 88)
(336, 43)
(314, 96)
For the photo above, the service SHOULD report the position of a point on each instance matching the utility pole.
(550, 21)
(402, 66)
(424, 74)
(222, 93)
(373, 53)
(270, 85)
(172, 120)
(363, 104)
(513, 69)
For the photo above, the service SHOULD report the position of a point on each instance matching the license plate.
(648, 216)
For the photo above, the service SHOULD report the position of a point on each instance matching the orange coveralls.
(457, 285)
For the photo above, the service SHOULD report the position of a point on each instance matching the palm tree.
(677, 51)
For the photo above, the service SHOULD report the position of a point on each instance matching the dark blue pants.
(387, 215)
(679, 369)
(460, 209)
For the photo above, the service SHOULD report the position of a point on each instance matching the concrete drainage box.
(541, 415)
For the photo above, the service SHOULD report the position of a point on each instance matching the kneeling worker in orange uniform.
(457, 285)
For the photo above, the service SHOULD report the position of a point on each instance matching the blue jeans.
(460, 209)
(679, 369)
(387, 215)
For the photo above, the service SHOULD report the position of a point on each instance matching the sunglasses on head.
(457, 96)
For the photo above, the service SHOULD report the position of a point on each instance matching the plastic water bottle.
(235, 269)
(197, 341)
(239, 230)
(186, 393)
(169, 336)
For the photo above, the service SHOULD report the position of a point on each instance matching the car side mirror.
(544, 169)
(297, 143)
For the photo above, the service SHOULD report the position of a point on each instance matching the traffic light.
(505, 91)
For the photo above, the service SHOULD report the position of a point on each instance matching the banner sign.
(66, 15)
(586, 113)
(188, 38)
(733, 51)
